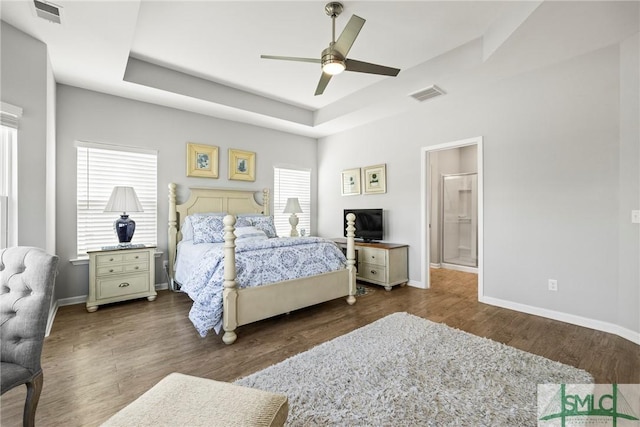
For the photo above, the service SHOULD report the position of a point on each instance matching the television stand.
(383, 264)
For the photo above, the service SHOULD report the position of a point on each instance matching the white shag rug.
(403, 370)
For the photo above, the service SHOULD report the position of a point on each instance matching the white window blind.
(102, 167)
(8, 181)
(291, 183)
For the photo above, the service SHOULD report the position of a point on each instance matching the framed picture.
(351, 182)
(202, 160)
(242, 165)
(375, 179)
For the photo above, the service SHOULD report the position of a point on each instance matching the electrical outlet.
(165, 264)
(635, 217)
(553, 285)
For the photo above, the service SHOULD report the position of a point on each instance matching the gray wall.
(27, 82)
(556, 203)
(91, 116)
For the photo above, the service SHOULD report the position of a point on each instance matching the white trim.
(458, 267)
(80, 299)
(573, 319)
(435, 265)
(162, 286)
(10, 115)
(115, 147)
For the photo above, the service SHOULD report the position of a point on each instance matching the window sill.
(84, 260)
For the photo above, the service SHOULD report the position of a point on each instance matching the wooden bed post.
(351, 257)
(173, 232)
(265, 201)
(230, 294)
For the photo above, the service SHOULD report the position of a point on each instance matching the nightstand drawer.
(137, 256)
(372, 272)
(110, 269)
(139, 266)
(372, 256)
(123, 285)
(109, 259)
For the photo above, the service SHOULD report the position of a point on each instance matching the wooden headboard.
(206, 199)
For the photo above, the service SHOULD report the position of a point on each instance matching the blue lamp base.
(124, 227)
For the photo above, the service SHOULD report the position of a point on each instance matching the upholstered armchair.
(27, 277)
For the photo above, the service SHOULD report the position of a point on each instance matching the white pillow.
(187, 226)
(263, 222)
(207, 229)
(247, 234)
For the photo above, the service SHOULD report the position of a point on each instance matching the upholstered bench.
(183, 400)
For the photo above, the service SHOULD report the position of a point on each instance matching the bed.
(241, 306)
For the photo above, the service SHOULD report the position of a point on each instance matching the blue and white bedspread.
(257, 263)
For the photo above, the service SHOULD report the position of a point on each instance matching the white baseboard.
(434, 265)
(80, 299)
(599, 325)
(457, 267)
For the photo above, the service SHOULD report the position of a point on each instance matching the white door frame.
(425, 190)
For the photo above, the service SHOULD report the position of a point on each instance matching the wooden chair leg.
(34, 388)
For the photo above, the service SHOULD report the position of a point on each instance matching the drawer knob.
(373, 257)
(137, 267)
(111, 271)
(373, 272)
(137, 256)
(123, 285)
(110, 259)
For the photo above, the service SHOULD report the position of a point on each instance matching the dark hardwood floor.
(96, 363)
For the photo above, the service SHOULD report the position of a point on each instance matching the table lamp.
(124, 199)
(293, 207)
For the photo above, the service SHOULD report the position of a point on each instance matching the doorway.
(463, 244)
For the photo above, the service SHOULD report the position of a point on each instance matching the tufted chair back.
(27, 277)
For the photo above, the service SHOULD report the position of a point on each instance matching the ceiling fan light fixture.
(332, 62)
(333, 67)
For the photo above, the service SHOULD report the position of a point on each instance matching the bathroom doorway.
(452, 208)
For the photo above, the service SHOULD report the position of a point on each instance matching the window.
(9, 118)
(291, 183)
(102, 167)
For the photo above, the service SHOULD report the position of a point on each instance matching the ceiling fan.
(334, 58)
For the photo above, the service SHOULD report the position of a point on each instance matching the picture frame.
(202, 160)
(350, 182)
(375, 179)
(242, 165)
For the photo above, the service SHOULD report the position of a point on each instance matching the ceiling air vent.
(428, 93)
(47, 11)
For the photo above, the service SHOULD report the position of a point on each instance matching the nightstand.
(121, 274)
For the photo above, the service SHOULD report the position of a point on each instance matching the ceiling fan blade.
(348, 36)
(291, 58)
(367, 67)
(322, 84)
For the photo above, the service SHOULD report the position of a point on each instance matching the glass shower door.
(460, 219)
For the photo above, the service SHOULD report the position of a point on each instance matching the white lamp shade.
(293, 206)
(123, 199)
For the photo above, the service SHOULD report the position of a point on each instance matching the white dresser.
(121, 274)
(384, 264)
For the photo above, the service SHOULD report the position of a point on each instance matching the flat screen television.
(369, 223)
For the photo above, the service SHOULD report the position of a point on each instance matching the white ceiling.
(204, 56)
